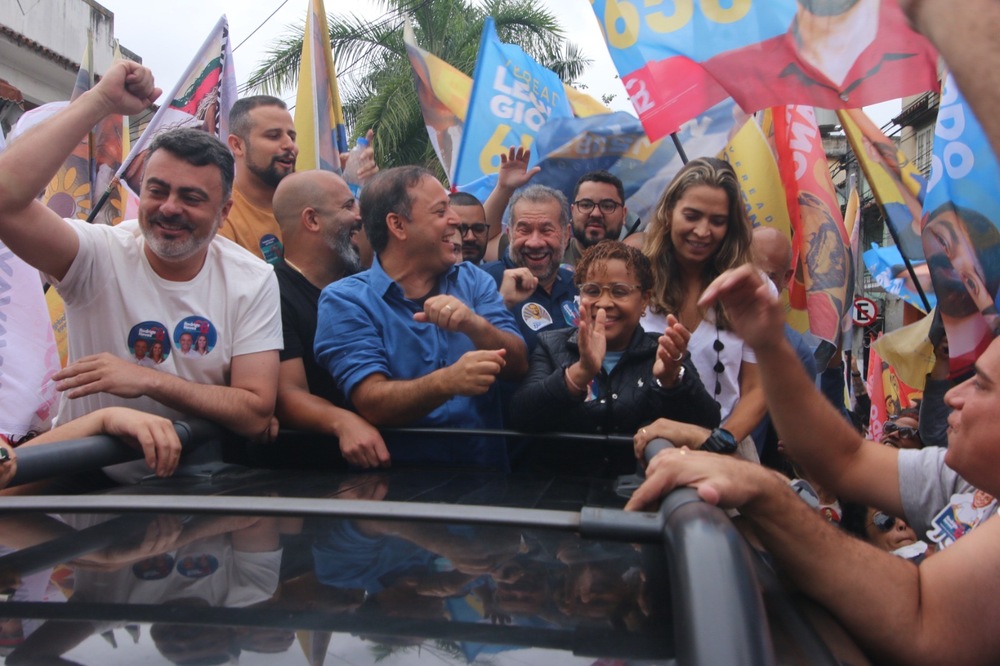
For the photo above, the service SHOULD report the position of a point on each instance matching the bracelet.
(572, 384)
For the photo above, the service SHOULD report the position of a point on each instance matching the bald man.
(320, 222)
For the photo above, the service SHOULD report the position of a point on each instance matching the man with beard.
(155, 274)
(534, 286)
(598, 212)
(262, 138)
(474, 230)
(319, 220)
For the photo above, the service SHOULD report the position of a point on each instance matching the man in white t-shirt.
(152, 280)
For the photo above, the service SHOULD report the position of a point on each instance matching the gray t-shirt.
(926, 485)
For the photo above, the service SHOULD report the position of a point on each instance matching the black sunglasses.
(883, 522)
(904, 431)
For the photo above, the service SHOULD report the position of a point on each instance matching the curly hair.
(668, 281)
(597, 256)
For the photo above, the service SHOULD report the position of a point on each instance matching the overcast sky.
(167, 34)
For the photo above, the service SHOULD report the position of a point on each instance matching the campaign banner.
(443, 92)
(202, 98)
(677, 59)
(28, 355)
(885, 265)
(89, 170)
(897, 184)
(823, 285)
(567, 148)
(319, 117)
(512, 98)
(960, 236)
(888, 393)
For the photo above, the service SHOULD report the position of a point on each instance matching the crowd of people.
(262, 298)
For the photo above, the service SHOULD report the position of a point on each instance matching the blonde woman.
(700, 229)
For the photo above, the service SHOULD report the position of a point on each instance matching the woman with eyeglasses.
(700, 229)
(902, 431)
(883, 531)
(608, 376)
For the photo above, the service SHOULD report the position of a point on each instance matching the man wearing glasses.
(534, 286)
(473, 229)
(598, 211)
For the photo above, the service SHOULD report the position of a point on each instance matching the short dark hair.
(239, 115)
(463, 199)
(635, 262)
(388, 192)
(197, 148)
(600, 177)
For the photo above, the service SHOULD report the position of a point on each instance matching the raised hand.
(127, 87)
(517, 285)
(755, 313)
(514, 170)
(590, 338)
(672, 346)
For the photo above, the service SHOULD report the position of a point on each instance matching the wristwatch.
(720, 441)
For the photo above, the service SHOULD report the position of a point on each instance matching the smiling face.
(590, 228)
(180, 209)
(698, 224)
(270, 150)
(186, 341)
(431, 234)
(622, 314)
(537, 240)
(339, 217)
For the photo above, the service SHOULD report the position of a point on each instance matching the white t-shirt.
(113, 298)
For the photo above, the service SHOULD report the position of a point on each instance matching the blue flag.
(960, 236)
(512, 98)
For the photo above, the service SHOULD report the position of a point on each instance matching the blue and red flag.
(960, 235)
(677, 59)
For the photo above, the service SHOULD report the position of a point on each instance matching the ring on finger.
(679, 357)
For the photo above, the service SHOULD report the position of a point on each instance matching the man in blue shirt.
(535, 287)
(420, 338)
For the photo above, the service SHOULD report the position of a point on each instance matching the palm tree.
(374, 72)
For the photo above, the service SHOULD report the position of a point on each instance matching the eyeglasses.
(883, 522)
(906, 432)
(607, 206)
(478, 228)
(619, 290)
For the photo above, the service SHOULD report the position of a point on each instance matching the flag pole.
(679, 147)
(909, 266)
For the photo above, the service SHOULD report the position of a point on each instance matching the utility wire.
(260, 26)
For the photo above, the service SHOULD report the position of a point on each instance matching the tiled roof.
(46, 52)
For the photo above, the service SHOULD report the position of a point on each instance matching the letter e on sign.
(865, 311)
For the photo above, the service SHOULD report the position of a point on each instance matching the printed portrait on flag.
(960, 236)
(675, 64)
(443, 93)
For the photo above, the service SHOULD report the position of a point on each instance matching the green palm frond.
(376, 81)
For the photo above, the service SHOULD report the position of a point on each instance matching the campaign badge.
(535, 316)
(271, 248)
